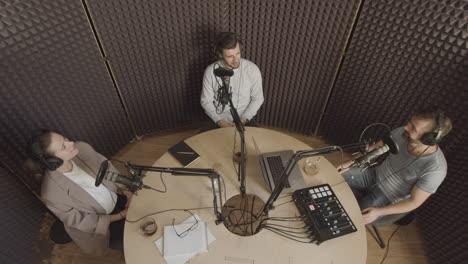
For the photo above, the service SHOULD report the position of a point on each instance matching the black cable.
(162, 180)
(289, 233)
(168, 210)
(290, 227)
(312, 240)
(388, 244)
(283, 203)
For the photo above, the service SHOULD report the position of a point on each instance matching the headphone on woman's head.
(433, 138)
(38, 153)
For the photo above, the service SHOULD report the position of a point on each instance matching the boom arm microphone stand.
(241, 129)
(290, 166)
(240, 211)
(226, 98)
(137, 170)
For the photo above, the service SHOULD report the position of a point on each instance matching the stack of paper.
(178, 250)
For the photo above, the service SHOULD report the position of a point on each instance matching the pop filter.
(388, 140)
(223, 72)
(101, 173)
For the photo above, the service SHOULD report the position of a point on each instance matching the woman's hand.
(129, 197)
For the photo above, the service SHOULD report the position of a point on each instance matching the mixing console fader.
(323, 212)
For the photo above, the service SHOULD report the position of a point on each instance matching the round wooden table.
(216, 146)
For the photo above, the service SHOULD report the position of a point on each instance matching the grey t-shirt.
(426, 172)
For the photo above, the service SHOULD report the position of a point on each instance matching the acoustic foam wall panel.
(443, 218)
(20, 220)
(405, 55)
(402, 55)
(297, 45)
(158, 51)
(53, 77)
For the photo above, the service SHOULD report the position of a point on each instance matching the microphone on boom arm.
(103, 173)
(223, 92)
(368, 159)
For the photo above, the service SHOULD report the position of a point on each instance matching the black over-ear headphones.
(218, 50)
(39, 154)
(433, 138)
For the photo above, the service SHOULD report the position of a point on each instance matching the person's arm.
(208, 95)
(83, 221)
(416, 199)
(119, 216)
(256, 95)
(129, 195)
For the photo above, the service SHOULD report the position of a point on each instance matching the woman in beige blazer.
(85, 219)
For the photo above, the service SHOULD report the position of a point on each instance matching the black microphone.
(367, 159)
(223, 72)
(223, 93)
(103, 173)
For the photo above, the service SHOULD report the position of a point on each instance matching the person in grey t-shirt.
(246, 84)
(405, 180)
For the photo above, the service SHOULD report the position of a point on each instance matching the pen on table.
(190, 153)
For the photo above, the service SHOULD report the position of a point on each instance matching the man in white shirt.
(245, 84)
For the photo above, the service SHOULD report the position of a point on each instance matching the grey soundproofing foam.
(405, 55)
(53, 77)
(21, 214)
(160, 49)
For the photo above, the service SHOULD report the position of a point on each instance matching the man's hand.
(370, 214)
(244, 120)
(222, 123)
(342, 168)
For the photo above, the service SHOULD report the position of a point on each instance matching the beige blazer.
(84, 218)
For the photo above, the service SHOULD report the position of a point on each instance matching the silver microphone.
(368, 158)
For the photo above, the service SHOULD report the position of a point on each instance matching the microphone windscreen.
(101, 173)
(223, 72)
(388, 140)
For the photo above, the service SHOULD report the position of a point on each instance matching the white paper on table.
(193, 241)
(185, 258)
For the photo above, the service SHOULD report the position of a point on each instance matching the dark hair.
(38, 144)
(37, 150)
(227, 40)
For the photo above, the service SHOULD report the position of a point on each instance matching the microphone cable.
(168, 210)
(219, 94)
(150, 188)
(290, 237)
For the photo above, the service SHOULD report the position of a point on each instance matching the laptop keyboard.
(276, 168)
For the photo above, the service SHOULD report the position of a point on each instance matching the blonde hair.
(433, 116)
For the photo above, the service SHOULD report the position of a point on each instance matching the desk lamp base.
(241, 214)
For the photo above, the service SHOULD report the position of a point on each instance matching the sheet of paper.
(192, 241)
(182, 259)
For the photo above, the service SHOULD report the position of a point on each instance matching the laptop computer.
(272, 165)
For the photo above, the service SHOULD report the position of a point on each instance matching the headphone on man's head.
(218, 51)
(433, 138)
(38, 153)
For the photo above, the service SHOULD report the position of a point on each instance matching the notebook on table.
(184, 154)
(272, 165)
